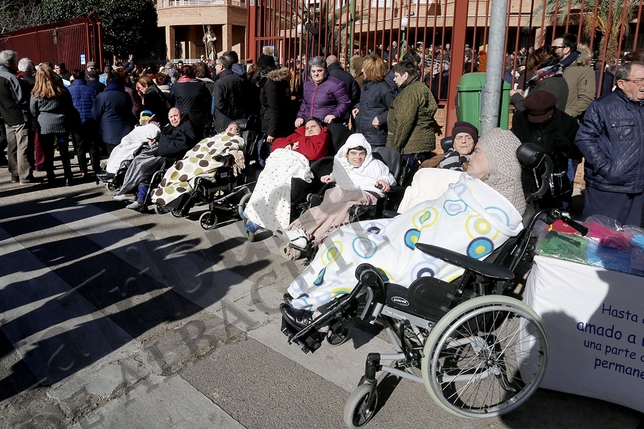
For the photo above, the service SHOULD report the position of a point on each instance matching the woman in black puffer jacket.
(52, 106)
(277, 120)
(193, 99)
(377, 95)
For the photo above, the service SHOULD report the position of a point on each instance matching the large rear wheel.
(485, 357)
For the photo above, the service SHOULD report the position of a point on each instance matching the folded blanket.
(129, 144)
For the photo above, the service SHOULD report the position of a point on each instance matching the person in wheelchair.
(457, 149)
(175, 139)
(202, 160)
(148, 129)
(473, 216)
(361, 179)
(270, 204)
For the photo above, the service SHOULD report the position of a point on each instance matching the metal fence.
(62, 41)
(450, 36)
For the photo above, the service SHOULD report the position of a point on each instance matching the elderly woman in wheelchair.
(473, 216)
(359, 179)
(481, 353)
(269, 206)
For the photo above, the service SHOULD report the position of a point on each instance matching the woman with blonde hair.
(51, 105)
(377, 95)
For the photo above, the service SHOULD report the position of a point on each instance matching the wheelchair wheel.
(339, 332)
(242, 204)
(361, 406)
(485, 357)
(159, 209)
(208, 220)
(111, 187)
(176, 212)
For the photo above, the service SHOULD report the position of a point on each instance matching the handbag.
(559, 182)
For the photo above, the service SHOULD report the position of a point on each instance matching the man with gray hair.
(14, 108)
(27, 71)
(610, 138)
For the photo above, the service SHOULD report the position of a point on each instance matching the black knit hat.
(265, 61)
(465, 127)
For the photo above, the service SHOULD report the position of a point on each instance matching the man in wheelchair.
(175, 191)
(473, 216)
(359, 179)
(175, 139)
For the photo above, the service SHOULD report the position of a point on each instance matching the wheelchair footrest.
(307, 343)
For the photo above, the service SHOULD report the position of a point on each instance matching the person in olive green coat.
(412, 128)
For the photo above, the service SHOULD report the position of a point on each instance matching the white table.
(594, 320)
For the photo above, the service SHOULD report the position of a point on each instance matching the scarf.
(540, 75)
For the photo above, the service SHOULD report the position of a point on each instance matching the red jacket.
(312, 147)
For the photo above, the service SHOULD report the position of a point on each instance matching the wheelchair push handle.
(367, 274)
(556, 214)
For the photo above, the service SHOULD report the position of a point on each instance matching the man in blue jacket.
(84, 136)
(610, 138)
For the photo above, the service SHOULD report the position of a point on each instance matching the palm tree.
(610, 18)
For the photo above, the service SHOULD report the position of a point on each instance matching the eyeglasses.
(558, 47)
(638, 82)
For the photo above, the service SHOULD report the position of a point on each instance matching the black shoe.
(297, 318)
(287, 298)
(15, 178)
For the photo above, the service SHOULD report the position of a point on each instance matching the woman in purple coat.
(325, 97)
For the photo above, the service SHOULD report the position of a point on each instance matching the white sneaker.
(134, 206)
(298, 237)
(123, 197)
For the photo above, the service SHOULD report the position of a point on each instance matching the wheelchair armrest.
(356, 211)
(483, 268)
(396, 190)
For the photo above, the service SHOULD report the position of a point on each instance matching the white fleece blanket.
(470, 218)
(129, 144)
(428, 184)
(270, 204)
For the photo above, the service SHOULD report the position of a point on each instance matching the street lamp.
(404, 22)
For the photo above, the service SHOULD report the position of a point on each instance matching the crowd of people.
(43, 107)
(188, 117)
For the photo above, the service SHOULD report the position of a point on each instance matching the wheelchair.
(222, 190)
(114, 181)
(390, 157)
(479, 351)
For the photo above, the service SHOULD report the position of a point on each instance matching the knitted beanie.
(500, 147)
(465, 127)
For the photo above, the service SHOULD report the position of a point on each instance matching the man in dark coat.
(112, 109)
(174, 141)
(610, 139)
(550, 128)
(228, 95)
(84, 135)
(334, 69)
(14, 109)
(91, 78)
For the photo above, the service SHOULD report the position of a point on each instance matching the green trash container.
(468, 100)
